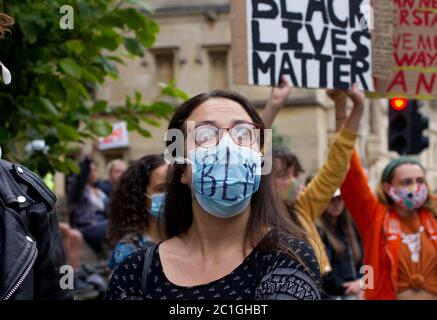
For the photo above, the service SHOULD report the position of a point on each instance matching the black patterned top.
(263, 275)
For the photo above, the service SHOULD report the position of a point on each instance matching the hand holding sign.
(277, 99)
(280, 93)
(356, 95)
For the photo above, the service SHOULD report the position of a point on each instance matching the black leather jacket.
(31, 247)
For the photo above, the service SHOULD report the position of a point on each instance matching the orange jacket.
(380, 231)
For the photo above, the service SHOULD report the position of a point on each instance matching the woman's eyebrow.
(238, 121)
(207, 122)
(215, 123)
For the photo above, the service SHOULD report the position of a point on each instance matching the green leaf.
(48, 106)
(70, 67)
(133, 18)
(72, 166)
(29, 30)
(100, 128)
(75, 46)
(99, 106)
(161, 108)
(116, 59)
(85, 12)
(143, 5)
(108, 40)
(171, 91)
(112, 20)
(137, 97)
(151, 121)
(66, 132)
(147, 35)
(89, 76)
(132, 123)
(133, 46)
(59, 165)
(145, 133)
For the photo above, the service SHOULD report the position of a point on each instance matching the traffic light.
(406, 126)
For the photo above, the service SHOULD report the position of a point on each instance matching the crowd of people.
(212, 226)
(221, 230)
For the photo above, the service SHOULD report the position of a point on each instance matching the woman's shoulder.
(126, 246)
(290, 271)
(126, 279)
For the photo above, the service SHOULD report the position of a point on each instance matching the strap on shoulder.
(148, 257)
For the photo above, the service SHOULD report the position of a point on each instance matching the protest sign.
(408, 60)
(387, 46)
(119, 138)
(314, 43)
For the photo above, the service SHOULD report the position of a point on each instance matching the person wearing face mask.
(288, 172)
(398, 228)
(306, 204)
(135, 208)
(227, 237)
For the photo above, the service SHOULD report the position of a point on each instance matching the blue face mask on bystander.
(225, 177)
(157, 207)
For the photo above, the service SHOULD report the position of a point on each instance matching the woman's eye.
(205, 135)
(242, 134)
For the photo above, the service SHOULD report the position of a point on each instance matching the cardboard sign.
(315, 44)
(387, 46)
(119, 138)
(406, 39)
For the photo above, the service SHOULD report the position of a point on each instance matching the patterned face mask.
(289, 191)
(412, 197)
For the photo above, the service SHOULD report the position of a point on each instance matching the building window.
(218, 69)
(164, 63)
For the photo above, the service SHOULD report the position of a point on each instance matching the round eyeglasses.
(244, 134)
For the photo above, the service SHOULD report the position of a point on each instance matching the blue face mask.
(225, 177)
(157, 207)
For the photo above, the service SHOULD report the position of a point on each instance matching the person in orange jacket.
(398, 227)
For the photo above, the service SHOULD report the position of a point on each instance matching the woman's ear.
(386, 187)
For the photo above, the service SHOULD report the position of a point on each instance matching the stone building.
(193, 48)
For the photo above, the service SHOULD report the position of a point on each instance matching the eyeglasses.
(244, 134)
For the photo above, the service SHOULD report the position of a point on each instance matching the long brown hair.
(6, 22)
(266, 213)
(327, 226)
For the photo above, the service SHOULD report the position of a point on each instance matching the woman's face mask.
(288, 189)
(224, 177)
(411, 197)
(157, 206)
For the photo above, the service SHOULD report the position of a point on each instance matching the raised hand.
(356, 95)
(280, 93)
(278, 97)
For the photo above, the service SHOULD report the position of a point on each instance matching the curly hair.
(127, 207)
(6, 22)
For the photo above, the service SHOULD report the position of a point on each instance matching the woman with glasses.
(135, 208)
(227, 237)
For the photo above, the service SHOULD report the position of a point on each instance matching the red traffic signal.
(399, 104)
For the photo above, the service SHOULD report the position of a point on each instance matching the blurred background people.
(343, 247)
(306, 205)
(88, 206)
(116, 168)
(135, 208)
